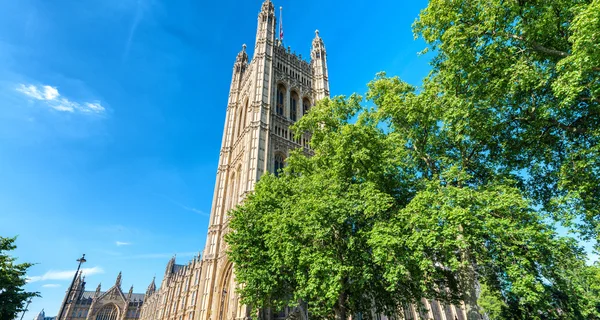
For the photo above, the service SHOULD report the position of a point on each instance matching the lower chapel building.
(267, 95)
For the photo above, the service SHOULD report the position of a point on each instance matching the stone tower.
(267, 95)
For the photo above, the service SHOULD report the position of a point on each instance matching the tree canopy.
(447, 190)
(522, 79)
(12, 280)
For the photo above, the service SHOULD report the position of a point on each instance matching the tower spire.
(318, 62)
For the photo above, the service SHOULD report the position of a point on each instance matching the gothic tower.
(267, 95)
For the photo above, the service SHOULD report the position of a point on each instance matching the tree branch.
(538, 47)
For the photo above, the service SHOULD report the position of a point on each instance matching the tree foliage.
(444, 191)
(12, 280)
(523, 80)
(304, 236)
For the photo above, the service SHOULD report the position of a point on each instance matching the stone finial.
(118, 282)
(98, 288)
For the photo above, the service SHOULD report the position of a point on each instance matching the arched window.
(242, 118)
(239, 184)
(278, 163)
(231, 192)
(294, 106)
(280, 99)
(108, 312)
(305, 106)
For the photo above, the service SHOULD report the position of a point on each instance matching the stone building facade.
(112, 304)
(267, 95)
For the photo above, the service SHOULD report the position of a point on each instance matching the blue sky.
(111, 115)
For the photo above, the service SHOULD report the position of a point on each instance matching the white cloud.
(121, 243)
(51, 97)
(60, 107)
(50, 93)
(64, 275)
(96, 107)
(31, 91)
(51, 285)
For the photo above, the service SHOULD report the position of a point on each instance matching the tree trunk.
(340, 310)
(470, 294)
(468, 281)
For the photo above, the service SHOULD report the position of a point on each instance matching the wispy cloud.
(198, 211)
(121, 243)
(183, 206)
(51, 285)
(50, 97)
(134, 24)
(64, 275)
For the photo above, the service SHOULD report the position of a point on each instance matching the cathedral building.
(111, 304)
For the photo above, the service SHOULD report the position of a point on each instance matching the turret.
(318, 57)
(239, 67)
(265, 31)
(151, 288)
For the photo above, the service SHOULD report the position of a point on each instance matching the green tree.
(12, 280)
(468, 223)
(304, 236)
(522, 80)
(445, 191)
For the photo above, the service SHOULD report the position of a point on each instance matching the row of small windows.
(284, 133)
(294, 101)
(294, 74)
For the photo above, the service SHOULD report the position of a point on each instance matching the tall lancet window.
(242, 118)
(108, 312)
(232, 187)
(294, 106)
(278, 163)
(305, 106)
(240, 188)
(280, 99)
